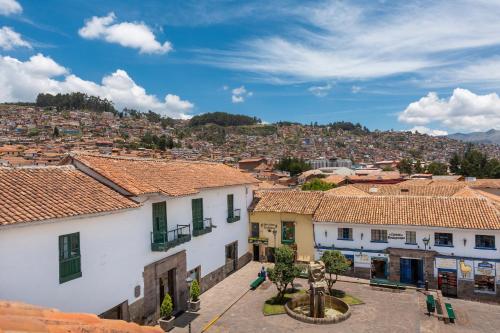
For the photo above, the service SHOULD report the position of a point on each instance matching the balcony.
(258, 240)
(202, 226)
(162, 241)
(233, 215)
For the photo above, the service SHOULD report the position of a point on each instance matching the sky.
(427, 66)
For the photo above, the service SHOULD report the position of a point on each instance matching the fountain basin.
(336, 310)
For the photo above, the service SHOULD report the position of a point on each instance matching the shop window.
(345, 233)
(287, 232)
(485, 242)
(379, 235)
(484, 283)
(411, 237)
(443, 239)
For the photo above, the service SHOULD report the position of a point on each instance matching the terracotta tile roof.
(289, 202)
(465, 213)
(348, 190)
(430, 190)
(174, 178)
(415, 182)
(484, 183)
(20, 317)
(335, 179)
(34, 194)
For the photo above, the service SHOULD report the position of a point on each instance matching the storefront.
(484, 277)
(447, 276)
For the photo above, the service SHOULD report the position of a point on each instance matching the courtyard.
(231, 307)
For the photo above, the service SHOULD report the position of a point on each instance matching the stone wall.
(465, 289)
(361, 272)
(244, 259)
(427, 256)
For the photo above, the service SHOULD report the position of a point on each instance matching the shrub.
(195, 291)
(284, 271)
(166, 307)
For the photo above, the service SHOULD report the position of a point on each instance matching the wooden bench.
(257, 282)
(450, 312)
(387, 284)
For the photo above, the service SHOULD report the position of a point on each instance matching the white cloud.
(428, 131)
(320, 91)
(135, 35)
(9, 7)
(464, 110)
(240, 94)
(366, 40)
(9, 39)
(23, 80)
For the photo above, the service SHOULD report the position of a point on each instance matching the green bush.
(195, 291)
(166, 307)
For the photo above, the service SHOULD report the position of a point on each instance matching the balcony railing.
(162, 241)
(233, 215)
(202, 226)
(258, 240)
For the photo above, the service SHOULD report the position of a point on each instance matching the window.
(197, 211)
(379, 235)
(411, 237)
(160, 221)
(443, 239)
(485, 242)
(345, 233)
(230, 205)
(69, 257)
(255, 230)
(287, 232)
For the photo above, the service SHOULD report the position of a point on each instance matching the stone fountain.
(317, 307)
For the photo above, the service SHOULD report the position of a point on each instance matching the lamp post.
(189, 280)
(426, 241)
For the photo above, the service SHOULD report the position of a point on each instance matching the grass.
(351, 300)
(274, 307)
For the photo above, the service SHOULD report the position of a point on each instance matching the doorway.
(256, 252)
(231, 257)
(411, 271)
(379, 268)
(270, 254)
(447, 282)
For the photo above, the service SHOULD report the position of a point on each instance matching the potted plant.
(194, 303)
(166, 319)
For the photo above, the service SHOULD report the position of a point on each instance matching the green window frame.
(287, 232)
(197, 212)
(160, 221)
(230, 206)
(69, 257)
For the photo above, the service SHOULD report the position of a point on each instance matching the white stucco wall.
(458, 249)
(115, 248)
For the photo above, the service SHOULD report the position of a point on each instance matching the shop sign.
(395, 235)
(484, 268)
(362, 260)
(446, 263)
(269, 226)
(466, 268)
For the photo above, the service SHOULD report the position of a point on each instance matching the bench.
(451, 312)
(257, 282)
(387, 284)
(431, 304)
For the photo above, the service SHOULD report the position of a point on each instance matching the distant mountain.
(492, 136)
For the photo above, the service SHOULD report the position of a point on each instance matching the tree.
(418, 167)
(194, 292)
(293, 165)
(335, 264)
(55, 133)
(284, 271)
(317, 184)
(387, 168)
(437, 169)
(166, 307)
(405, 166)
(455, 162)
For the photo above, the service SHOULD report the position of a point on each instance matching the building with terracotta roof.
(112, 235)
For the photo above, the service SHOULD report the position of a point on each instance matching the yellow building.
(283, 218)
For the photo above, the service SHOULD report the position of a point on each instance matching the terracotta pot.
(194, 306)
(166, 324)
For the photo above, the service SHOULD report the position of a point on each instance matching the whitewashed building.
(451, 242)
(112, 236)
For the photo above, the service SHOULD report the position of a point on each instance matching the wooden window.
(230, 205)
(345, 233)
(379, 235)
(197, 211)
(485, 242)
(411, 237)
(287, 232)
(443, 239)
(69, 257)
(160, 221)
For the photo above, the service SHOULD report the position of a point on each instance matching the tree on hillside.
(335, 263)
(405, 166)
(55, 133)
(317, 184)
(474, 163)
(437, 169)
(455, 163)
(293, 165)
(284, 271)
(223, 119)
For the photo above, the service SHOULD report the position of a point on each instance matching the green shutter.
(197, 211)
(159, 221)
(230, 206)
(69, 257)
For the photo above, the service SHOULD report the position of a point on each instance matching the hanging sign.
(395, 235)
(484, 268)
(446, 263)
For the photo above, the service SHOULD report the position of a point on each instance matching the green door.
(160, 222)
(197, 210)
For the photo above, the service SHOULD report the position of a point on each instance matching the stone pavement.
(383, 311)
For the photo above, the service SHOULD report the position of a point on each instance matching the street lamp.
(189, 281)
(426, 241)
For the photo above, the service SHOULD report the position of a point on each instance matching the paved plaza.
(232, 308)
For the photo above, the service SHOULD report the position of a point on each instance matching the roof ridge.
(138, 159)
(38, 167)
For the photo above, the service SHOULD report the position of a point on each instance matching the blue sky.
(425, 65)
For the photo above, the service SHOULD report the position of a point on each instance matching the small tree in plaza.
(335, 263)
(195, 291)
(284, 271)
(166, 307)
